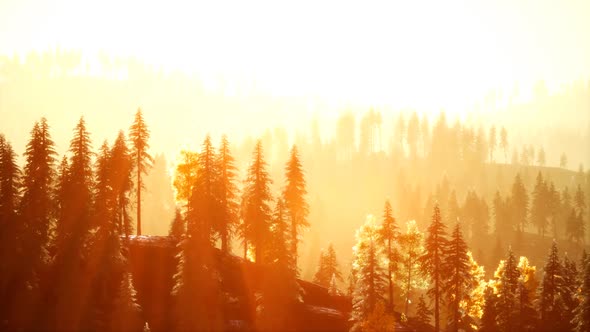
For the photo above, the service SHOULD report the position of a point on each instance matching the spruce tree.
(569, 291)
(456, 262)
(294, 195)
(328, 267)
(333, 289)
(121, 165)
(507, 284)
(490, 313)
(72, 234)
(139, 136)
(274, 312)
(227, 194)
(178, 225)
(526, 315)
(503, 224)
(519, 204)
(9, 198)
(370, 275)
(581, 320)
(388, 234)
(204, 205)
(551, 305)
(126, 312)
(35, 210)
(411, 250)
(540, 205)
(433, 262)
(9, 185)
(257, 197)
(424, 313)
(184, 177)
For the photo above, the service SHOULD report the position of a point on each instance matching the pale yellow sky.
(423, 53)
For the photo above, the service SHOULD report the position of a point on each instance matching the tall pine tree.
(433, 262)
(294, 194)
(328, 268)
(457, 264)
(139, 136)
(257, 197)
(72, 233)
(581, 320)
(388, 235)
(35, 210)
(370, 274)
(507, 285)
(227, 192)
(551, 305)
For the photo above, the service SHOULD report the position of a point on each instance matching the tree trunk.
(389, 277)
(408, 287)
(138, 195)
(436, 307)
(294, 239)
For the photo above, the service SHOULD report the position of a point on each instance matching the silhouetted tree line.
(514, 299)
(63, 233)
(215, 211)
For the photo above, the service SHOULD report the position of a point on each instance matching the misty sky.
(443, 51)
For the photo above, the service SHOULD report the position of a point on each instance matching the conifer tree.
(569, 292)
(294, 195)
(139, 136)
(581, 320)
(388, 234)
(507, 285)
(9, 185)
(575, 227)
(9, 199)
(540, 205)
(204, 205)
(504, 226)
(121, 165)
(257, 197)
(197, 298)
(490, 313)
(457, 264)
(104, 194)
(184, 176)
(227, 194)
(519, 204)
(472, 303)
(525, 294)
(72, 234)
(178, 225)
(551, 305)
(377, 320)
(327, 268)
(433, 262)
(274, 312)
(370, 275)
(411, 250)
(126, 312)
(33, 231)
(424, 313)
(333, 289)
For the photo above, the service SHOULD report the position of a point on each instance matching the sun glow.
(423, 54)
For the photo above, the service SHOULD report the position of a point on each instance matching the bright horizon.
(421, 54)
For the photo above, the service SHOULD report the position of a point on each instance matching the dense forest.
(494, 246)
